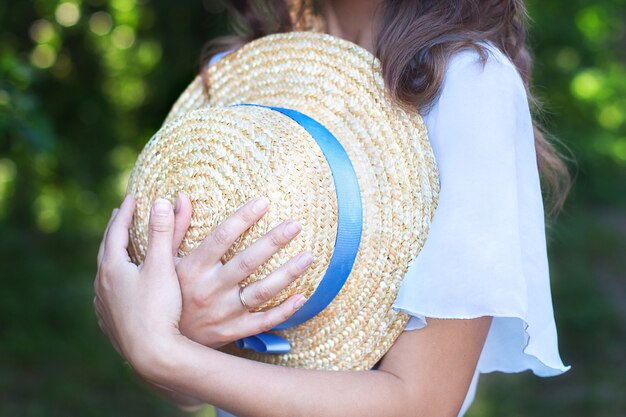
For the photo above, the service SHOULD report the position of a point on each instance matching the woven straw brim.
(200, 151)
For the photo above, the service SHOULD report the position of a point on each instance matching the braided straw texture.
(221, 157)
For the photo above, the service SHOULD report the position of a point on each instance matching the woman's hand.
(210, 311)
(213, 313)
(138, 307)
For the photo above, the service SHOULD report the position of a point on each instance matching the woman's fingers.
(264, 321)
(160, 234)
(246, 262)
(104, 237)
(263, 290)
(103, 327)
(215, 245)
(116, 241)
(182, 213)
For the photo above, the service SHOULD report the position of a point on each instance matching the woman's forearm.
(183, 402)
(426, 372)
(249, 388)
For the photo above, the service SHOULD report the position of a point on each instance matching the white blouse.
(485, 253)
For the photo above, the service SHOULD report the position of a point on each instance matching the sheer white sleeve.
(485, 253)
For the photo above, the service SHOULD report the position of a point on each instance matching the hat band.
(349, 229)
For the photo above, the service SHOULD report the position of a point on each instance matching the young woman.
(482, 301)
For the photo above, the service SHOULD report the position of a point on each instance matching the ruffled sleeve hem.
(512, 345)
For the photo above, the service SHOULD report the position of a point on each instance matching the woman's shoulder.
(468, 78)
(470, 55)
(482, 111)
(496, 72)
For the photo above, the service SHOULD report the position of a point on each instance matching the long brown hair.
(414, 42)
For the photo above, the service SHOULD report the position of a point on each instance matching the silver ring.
(242, 298)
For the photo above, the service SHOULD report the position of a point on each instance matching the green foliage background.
(85, 83)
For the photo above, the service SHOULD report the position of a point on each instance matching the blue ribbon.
(264, 343)
(349, 228)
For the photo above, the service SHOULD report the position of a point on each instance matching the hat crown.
(221, 158)
(223, 155)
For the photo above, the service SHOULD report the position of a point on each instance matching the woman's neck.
(352, 20)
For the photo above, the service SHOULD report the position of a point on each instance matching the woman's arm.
(426, 373)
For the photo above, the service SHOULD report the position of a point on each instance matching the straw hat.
(370, 205)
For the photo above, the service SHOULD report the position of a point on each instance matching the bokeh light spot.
(587, 84)
(619, 149)
(123, 5)
(5, 98)
(122, 158)
(67, 14)
(41, 31)
(127, 93)
(121, 182)
(43, 56)
(592, 22)
(149, 54)
(100, 23)
(567, 59)
(611, 117)
(123, 37)
(7, 180)
(48, 209)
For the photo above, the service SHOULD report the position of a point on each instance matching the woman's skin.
(353, 20)
(166, 315)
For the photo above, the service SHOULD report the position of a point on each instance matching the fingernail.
(305, 260)
(115, 210)
(162, 206)
(260, 205)
(299, 302)
(292, 228)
